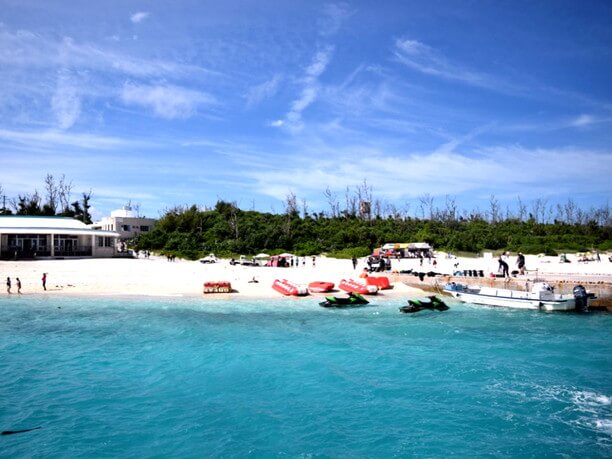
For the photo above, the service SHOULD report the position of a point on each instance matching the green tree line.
(227, 230)
(56, 200)
(353, 228)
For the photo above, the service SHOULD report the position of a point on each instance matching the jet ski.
(353, 299)
(429, 302)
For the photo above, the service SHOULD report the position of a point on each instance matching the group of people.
(377, 264)
(9, 284)
(503, 265)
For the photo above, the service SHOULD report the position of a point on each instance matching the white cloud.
(412, 47)
(28, 51)
(583, 120)
(166, 101)
(309, 92)
(319, 63)
(425, 59)
(334, 15)
(262, 91)
(55, 138)
(500, 170)
(139, 17)
(66, 102)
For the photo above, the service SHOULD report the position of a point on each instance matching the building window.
(126, 228)
(66, 243)
(144, 228)
(104, 241)
(27, 242)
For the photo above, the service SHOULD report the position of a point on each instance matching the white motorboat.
(541, 296)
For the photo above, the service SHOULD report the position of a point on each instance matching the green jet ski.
(428, 302)
(353, 299)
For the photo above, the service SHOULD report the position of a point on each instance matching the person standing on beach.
(18, 286)
(354, 263)
(520, 262)
(44, 281)
(8, 285)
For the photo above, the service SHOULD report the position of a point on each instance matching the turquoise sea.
(175, 377)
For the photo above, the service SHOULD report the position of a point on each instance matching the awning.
(73, 232)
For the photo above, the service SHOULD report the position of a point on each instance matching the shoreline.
(156, 277)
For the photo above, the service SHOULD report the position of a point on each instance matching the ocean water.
(174, 377)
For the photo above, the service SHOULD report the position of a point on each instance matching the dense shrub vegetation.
(345, 231)
(227, 231)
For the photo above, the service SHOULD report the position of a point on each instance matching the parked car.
(209, 259)
(244, 261)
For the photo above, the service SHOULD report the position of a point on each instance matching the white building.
(126, 223)
(23, 237)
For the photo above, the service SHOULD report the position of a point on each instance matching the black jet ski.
(428, 302)
(353, 299)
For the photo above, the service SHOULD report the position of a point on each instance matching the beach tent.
(282, 260)
(262, 259)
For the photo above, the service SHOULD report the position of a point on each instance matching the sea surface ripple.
(119, 377)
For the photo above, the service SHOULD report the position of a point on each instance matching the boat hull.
(507, 301)
(432, 303)
(344, 302)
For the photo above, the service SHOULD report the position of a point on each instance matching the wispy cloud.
(26, 50)
(425, 59)
(166, 101)
(262, 91)
(56, 138)
(66, 102)
(97, 58)
(454, 143)
(309, 92)
(583, 120)
(334, 15)
(493, 169)
(556, 124)
(139, 16)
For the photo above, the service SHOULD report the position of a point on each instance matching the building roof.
(125, 212)
(25, 224)
(411, 245)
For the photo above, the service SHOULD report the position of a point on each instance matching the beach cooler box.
(217, 287)
(381, 282)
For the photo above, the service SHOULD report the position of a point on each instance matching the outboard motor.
(582, 298)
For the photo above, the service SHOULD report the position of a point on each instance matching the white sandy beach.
(157, 277)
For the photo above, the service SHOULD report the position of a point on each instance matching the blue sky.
(186, 102)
